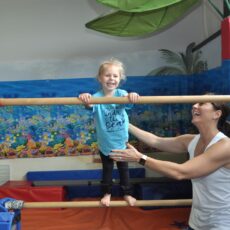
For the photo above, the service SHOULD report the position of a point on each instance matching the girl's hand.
(85, 98)
(133, 97)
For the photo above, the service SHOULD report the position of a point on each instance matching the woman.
(208, 166)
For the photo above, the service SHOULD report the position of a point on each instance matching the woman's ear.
(218, 114)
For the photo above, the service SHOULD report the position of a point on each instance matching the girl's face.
(110, 78)
(204, 112)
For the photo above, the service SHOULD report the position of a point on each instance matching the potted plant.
(181, 63)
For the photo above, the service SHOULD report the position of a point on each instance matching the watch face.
(142, 161)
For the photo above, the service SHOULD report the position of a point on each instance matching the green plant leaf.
(137, 5)
(200, 67)
(126, 24)
(166, 70)
(172, 57)
(185, 63)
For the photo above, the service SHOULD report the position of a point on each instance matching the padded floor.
(117, 218)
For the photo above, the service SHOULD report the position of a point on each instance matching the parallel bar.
(97, 204)
(114, 100)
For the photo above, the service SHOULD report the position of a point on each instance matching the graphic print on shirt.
(114, 120)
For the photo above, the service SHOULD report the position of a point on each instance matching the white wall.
(37, 43)
(212, 53)
(19, 167)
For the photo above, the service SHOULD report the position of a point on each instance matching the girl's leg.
(106, 183)
(124, 182)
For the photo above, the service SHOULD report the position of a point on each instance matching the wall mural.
(68, 130)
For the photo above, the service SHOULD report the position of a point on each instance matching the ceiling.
(55, 29)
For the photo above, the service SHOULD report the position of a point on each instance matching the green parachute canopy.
(127, 24)
(137, 5)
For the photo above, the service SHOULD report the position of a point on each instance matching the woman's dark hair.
(223, 125)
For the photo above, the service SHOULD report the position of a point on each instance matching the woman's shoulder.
(223, 146)
(225, 140)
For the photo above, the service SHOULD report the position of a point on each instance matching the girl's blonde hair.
(104, 65)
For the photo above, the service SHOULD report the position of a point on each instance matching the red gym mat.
(23, 190)
(116, 218)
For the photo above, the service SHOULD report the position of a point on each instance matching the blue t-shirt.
(112, 123)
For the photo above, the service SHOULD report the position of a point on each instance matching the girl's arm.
(133, 97)
(85, 98)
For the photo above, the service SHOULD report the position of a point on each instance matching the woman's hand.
(129, 154)
(85, 98)
(133, 97)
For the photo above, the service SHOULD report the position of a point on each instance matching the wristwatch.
(143, 160)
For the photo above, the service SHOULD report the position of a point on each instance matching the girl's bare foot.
(130, 200)
(105, 201)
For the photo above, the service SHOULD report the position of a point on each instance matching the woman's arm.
(131, 154)
(218, 155)
(169, 144)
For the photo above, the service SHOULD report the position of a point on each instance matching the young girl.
(111, 126)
